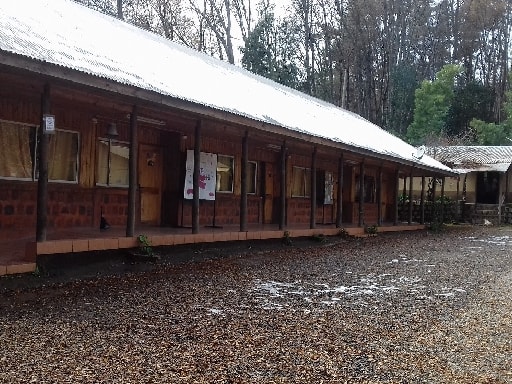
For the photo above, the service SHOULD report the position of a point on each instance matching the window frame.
(306, 178)
(254, 179)
(77, 170)
(109, 163)
(32, 152)
(232, 162)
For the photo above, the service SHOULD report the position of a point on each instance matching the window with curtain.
(113, 163)
(63, 156)
(225, 168)
(251, 177)
(17, 154)
(301, 182)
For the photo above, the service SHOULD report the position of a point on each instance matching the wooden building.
(100, 119)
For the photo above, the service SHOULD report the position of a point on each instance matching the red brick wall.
(68, 206)
(227, 210)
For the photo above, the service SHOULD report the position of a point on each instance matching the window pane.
(102, 163)
(112, 164)
(297, 181)
(224, 174)
(63, 156)
(119, 164)
(16, 154)
(301, 182)
(251, 177)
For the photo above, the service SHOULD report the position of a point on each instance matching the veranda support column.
(422, 201)
(457, 205)
(379, 197)
(282, 213)
(42, 181)
(434, 208)
(361, 194)
(339, 206)
(243, 192)
(195, 177)
(132, 174)
(312, 215)
(442, 198)
(409, 219)
(397, 188)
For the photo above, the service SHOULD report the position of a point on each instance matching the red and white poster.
(207, 176)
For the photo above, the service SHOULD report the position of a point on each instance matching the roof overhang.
(134, 95)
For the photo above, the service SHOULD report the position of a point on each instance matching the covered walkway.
(20, 255)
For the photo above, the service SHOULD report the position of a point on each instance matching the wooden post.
(195, 178)
(243, 196)
(379, 197)
(361, 194)
(282, 214)
(422, 201)
(457, 204)
(339, 206)
(42, 180)
(132, 174)
(434, 209)
(409, 220)
(442, 198)
(397, 197)
(312, 215)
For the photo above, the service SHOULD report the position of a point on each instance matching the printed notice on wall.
(329, 188)
(207, 176)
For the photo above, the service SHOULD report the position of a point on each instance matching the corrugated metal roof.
(67, 34)
(473, 158)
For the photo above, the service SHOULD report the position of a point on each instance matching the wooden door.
(150, 183)
(268, 197)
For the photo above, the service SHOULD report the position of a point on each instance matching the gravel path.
(395, 308)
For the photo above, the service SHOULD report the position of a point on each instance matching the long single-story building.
(106, 126)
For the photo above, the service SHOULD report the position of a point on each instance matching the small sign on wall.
(48, 124)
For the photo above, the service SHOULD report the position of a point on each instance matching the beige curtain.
(62, 156)
(15, 150)
(102, 163)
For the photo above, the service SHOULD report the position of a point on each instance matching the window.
(224, 174)
(113, 163)
(369, 189)
(18, 155)
(63, 156)
(301, 182)
(251, 177)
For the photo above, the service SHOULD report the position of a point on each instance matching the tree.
(431, 104)
(268, 49)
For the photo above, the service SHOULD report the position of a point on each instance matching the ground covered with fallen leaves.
(395, 308)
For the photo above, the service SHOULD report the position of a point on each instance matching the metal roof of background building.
(465, 159)
(69, 35)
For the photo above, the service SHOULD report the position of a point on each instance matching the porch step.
(14, 269)
(483, 212)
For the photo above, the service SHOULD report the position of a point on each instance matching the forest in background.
(430, 72)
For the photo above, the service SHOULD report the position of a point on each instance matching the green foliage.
(145, 245)
(431, 104)
(403, 86)
(371, 229)
(287, 240)
(267, 51)
(470, 101)
(320, 238)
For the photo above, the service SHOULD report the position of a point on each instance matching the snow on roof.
(473, 158)
(70, 35)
